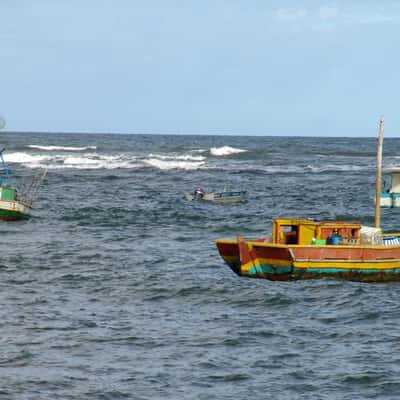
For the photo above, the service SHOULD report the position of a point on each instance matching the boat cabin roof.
(305, 230)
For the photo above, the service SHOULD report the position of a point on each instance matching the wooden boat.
(218, 197)
(302, 248)
(13, 205)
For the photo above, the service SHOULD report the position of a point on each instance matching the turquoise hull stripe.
(355, 270)
(268, 269)
(278, 270)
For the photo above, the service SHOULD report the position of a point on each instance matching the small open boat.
(218, 197)
(303, 248)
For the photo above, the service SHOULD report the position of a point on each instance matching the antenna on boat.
(5, 169)
(29, 194)
(379, 174)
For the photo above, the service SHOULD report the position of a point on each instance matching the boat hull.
(13, 210)
(282, 262)
(390, 200)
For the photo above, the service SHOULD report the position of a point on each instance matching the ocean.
(114, 289)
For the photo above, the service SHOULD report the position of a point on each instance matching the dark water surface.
(115, 290)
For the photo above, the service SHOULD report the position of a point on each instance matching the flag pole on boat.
(379, 174)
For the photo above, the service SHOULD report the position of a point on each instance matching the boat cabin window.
(350, 234)
(288, 234)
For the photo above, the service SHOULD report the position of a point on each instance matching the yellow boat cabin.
(308, 231)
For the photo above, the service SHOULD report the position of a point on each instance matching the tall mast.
(379, 174)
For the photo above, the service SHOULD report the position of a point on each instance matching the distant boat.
(218, 197)
(391, 198)
(302, 248)
(13, 205)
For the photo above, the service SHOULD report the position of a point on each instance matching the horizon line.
(187, 134)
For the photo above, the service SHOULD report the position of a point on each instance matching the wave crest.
(99, 161)
(174, 164)
(61, 148)
(225, 151)
(176, 157)
(62, 161)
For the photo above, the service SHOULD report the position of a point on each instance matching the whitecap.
(225, 151)
(177, 157)
(164, 164)
(90, 161)
(63, 161)
(25, 158)
(61, 148)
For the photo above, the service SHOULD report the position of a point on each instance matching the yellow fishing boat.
(302, 248)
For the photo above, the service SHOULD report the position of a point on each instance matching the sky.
(288, 67)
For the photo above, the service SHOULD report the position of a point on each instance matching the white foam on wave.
(225, 151)
(61, 148)
(174, 164)
(176, 157)
(26, 159)
(63, 161)
(98, 161)
(101, 163)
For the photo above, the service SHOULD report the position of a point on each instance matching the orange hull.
(289, 262)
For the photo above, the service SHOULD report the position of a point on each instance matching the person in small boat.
(199, 193)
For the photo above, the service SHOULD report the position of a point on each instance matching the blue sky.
(200, 67)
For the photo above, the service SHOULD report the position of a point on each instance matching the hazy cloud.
(372, 19)
(291, 14)
(328, 12)
(328, 16)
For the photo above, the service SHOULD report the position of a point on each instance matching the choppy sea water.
(115, 290)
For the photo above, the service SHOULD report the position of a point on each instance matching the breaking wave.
(98, 161)
(164, 161)
(176, 157)
(26, 159)
(198, 151)
(60, 161)
(174, 164)
(225, 151)
(61, 148)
